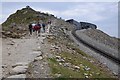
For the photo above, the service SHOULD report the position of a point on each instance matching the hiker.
(49, 25)
(43, 26)
(30, 28)
(39, 27)
(33, 24)
(49, 22)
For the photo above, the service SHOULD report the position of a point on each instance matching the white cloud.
(47, 10)
(90, 11)
(87, 11)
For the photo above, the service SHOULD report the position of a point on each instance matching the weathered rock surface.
(18, 76)
(20, 64)
(19, 70)
(38, 58)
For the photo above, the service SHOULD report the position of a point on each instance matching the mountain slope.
(17, 23)
(102, 37)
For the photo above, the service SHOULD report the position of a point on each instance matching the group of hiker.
(37, 27)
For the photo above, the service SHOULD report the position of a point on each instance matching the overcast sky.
(103, 14)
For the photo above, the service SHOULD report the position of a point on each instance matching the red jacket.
(36, 27)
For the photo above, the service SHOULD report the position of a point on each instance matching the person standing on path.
(30, 28)
(43, 26)
(33, 24)
(39, 27)
(49, 25)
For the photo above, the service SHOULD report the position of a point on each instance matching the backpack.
(43, 25)
(36, 27)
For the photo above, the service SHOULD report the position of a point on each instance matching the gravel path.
(20, 52)
(39, 68)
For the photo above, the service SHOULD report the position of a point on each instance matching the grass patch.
(65, 72)
(77, 50)
(75, 59)
(81, 52)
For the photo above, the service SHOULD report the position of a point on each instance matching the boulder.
(58, 75)
(67, 64)
(86, 68)
(18, 76)
(37, 53)
(38, 58)
(76, 67)
(60, 60)
(60, 63)
(4, 66)
(10, 42)
(86, 76)
(58, 57)
(19, 70)
(20, 64)
(8, 32)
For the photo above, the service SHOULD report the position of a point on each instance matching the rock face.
(82, 25)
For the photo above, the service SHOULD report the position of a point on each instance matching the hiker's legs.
(30, 31)
(44, 29)
(36, 32)
(48, 28)
(39, 32)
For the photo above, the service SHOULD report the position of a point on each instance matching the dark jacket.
(30, 26)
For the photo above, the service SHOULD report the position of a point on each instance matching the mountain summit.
(25, 16)
(17, 23)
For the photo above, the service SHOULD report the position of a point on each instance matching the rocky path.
(39, 68)
(17, 55)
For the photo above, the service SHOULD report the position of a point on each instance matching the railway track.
(103, 53)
